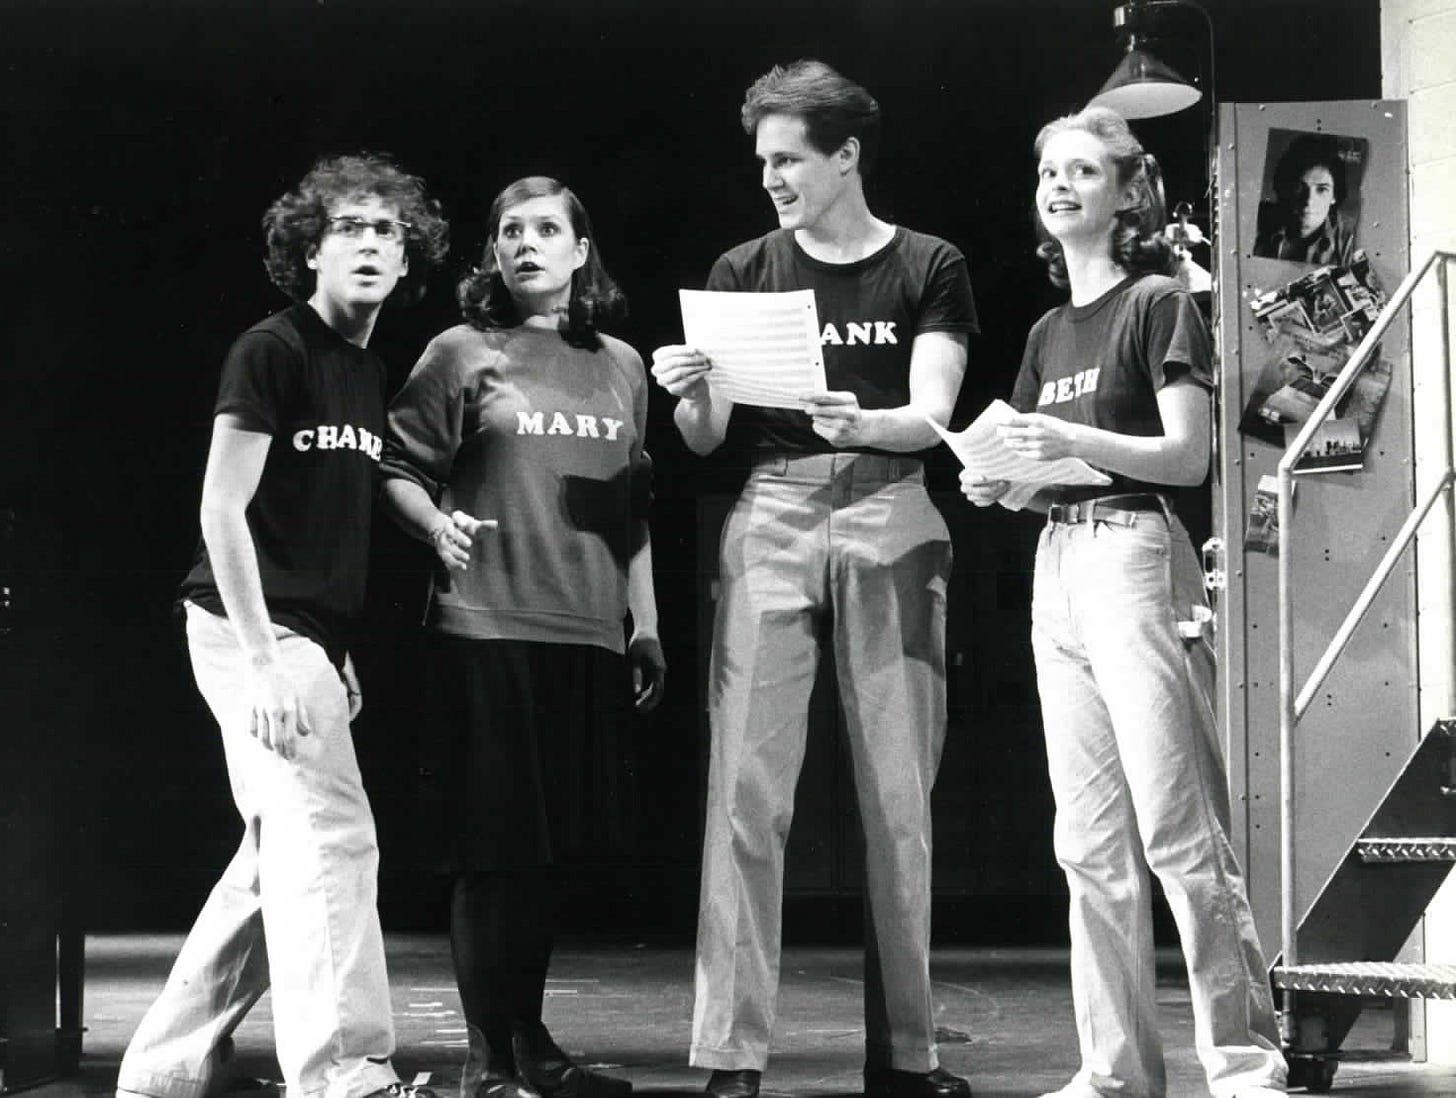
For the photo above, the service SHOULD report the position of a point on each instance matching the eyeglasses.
(385, 228)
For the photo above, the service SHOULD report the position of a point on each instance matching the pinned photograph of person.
(1311, 198)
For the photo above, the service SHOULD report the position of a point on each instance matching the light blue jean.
(854, 537)
(1139, 782)
(303, 881)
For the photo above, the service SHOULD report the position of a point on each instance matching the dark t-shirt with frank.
(870, 312)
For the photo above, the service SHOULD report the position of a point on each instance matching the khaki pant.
(854, 537)
(303, 879)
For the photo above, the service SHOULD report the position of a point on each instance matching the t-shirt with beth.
(1102, 364)
(870, 312)
(321, 398)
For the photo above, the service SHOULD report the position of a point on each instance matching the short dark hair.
(296, 222)
(486, 303)
(833, 107)
(1138, 243)
(1306, 151)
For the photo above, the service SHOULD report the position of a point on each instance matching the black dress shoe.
(733, 1084)
(889, 1083)
(542, 1065)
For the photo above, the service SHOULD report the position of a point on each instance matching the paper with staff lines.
(764, 347)
(981, 450)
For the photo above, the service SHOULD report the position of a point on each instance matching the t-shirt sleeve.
(639, 460)
(425, 422)
(722, 277)
(1028, 378)
(949, 304)
(258, 375)
(1178, 343)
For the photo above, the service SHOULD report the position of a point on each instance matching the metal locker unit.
(1358, 736)
(1361, 767)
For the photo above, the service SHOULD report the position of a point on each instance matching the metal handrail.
(1292, 706)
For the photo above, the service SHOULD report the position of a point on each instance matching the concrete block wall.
(1418, 55)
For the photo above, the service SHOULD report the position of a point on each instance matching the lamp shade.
(1143, 87)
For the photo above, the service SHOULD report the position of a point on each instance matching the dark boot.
(553, 1074)
(733, 1084)
(496, 1085)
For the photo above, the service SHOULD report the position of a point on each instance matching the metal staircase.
(1344, 947)
(1368, 908)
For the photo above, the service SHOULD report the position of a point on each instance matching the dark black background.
(142, 144)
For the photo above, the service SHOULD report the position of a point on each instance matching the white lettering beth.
(1069, 388)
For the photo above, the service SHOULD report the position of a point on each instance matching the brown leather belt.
(1124, 510)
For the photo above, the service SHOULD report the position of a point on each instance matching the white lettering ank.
(859, 332)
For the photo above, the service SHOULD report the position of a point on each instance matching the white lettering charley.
(587, 426)
(1069, 388)
(331, 436)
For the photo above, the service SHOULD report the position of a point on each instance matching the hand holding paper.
(981, 450)
(764, 347)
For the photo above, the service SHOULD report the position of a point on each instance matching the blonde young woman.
(1120, 377)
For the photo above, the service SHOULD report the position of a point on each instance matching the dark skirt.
(523, 754)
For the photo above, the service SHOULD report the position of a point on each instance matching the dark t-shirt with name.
(1102, 364)
(321, 398)
(870, 312)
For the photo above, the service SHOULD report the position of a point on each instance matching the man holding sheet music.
(833, 524)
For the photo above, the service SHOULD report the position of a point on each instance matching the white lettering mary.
(576, 424)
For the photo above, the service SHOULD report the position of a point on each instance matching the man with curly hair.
(277, 582)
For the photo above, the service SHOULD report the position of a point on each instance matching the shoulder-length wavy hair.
(486, 303)
(1138, 243)
(295, 223)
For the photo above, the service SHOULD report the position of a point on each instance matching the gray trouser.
(854, 537)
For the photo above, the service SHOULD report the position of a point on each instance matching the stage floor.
(1004, 1016)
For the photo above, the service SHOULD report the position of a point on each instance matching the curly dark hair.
(1306, 151)
(486, 303)
(295, 223)
(833, 107)
(1138, 244)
